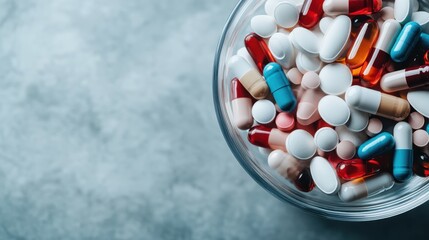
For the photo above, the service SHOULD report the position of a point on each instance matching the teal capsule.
(280, 87)
(406, 42)
(424, 40)
(376, 146)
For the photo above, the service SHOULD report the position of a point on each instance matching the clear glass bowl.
(399, 199)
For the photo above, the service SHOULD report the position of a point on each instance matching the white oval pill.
(324, 176)
(324, 24)
(306, 63)
(300, 144)
(286, 14)
(282, 50)
(326, 139)
(403, 10)
(305, 41)
(264, 111)
(419, 101)
(421, 18)
(263, 25)
(358, 120)
(335, 40)
(334, 110)
(335, 78)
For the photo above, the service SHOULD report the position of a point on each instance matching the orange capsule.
(362, 44)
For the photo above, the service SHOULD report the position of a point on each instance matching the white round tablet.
(310, 80)
(270, 5)
(286, 14)
(305, 41)
(334, 110)
(263, 25)
(326, 139)
(307, 63)
(264, 111)
(358, 120)
(300, 144)
(335, 78)
(324, 176)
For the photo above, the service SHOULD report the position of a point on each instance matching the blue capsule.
(406, 42)
(403, 159)
(424, 40)
(376, 146)
(280, 87)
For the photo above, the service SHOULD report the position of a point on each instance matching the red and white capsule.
(241, 102)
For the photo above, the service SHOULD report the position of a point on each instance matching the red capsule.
(311, 13)
(266, 137)
(421, 164)
(304, 182)
(258, 50)
(356, 168)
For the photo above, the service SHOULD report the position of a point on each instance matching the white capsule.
(375, 102)
(305, 41)
(285, 164)
(388, 33)
(326, 139)
(263, 25)
(324, 176)
(300, 144)
(249, 77)
(334, 110)
(264, 111)
(282, 50)
(365, 187)
(403, 136)
(286, 14)
(335, 39)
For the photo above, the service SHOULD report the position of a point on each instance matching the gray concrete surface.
(107, 131)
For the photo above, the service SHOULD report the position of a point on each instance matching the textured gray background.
(108, 131)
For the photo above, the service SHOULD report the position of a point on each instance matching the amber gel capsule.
(362, 44)
(258, 50)
(379, 57)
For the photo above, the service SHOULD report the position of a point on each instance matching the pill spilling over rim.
(335, 94)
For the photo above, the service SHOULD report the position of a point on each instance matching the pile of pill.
(337, 92)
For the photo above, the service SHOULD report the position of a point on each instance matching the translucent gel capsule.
(356, 168)
(378, 58)
(304, 182)
(351, 7)
(258, 50)
(311, 13)
(421, 164)
(365, 187)
(362, 44)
